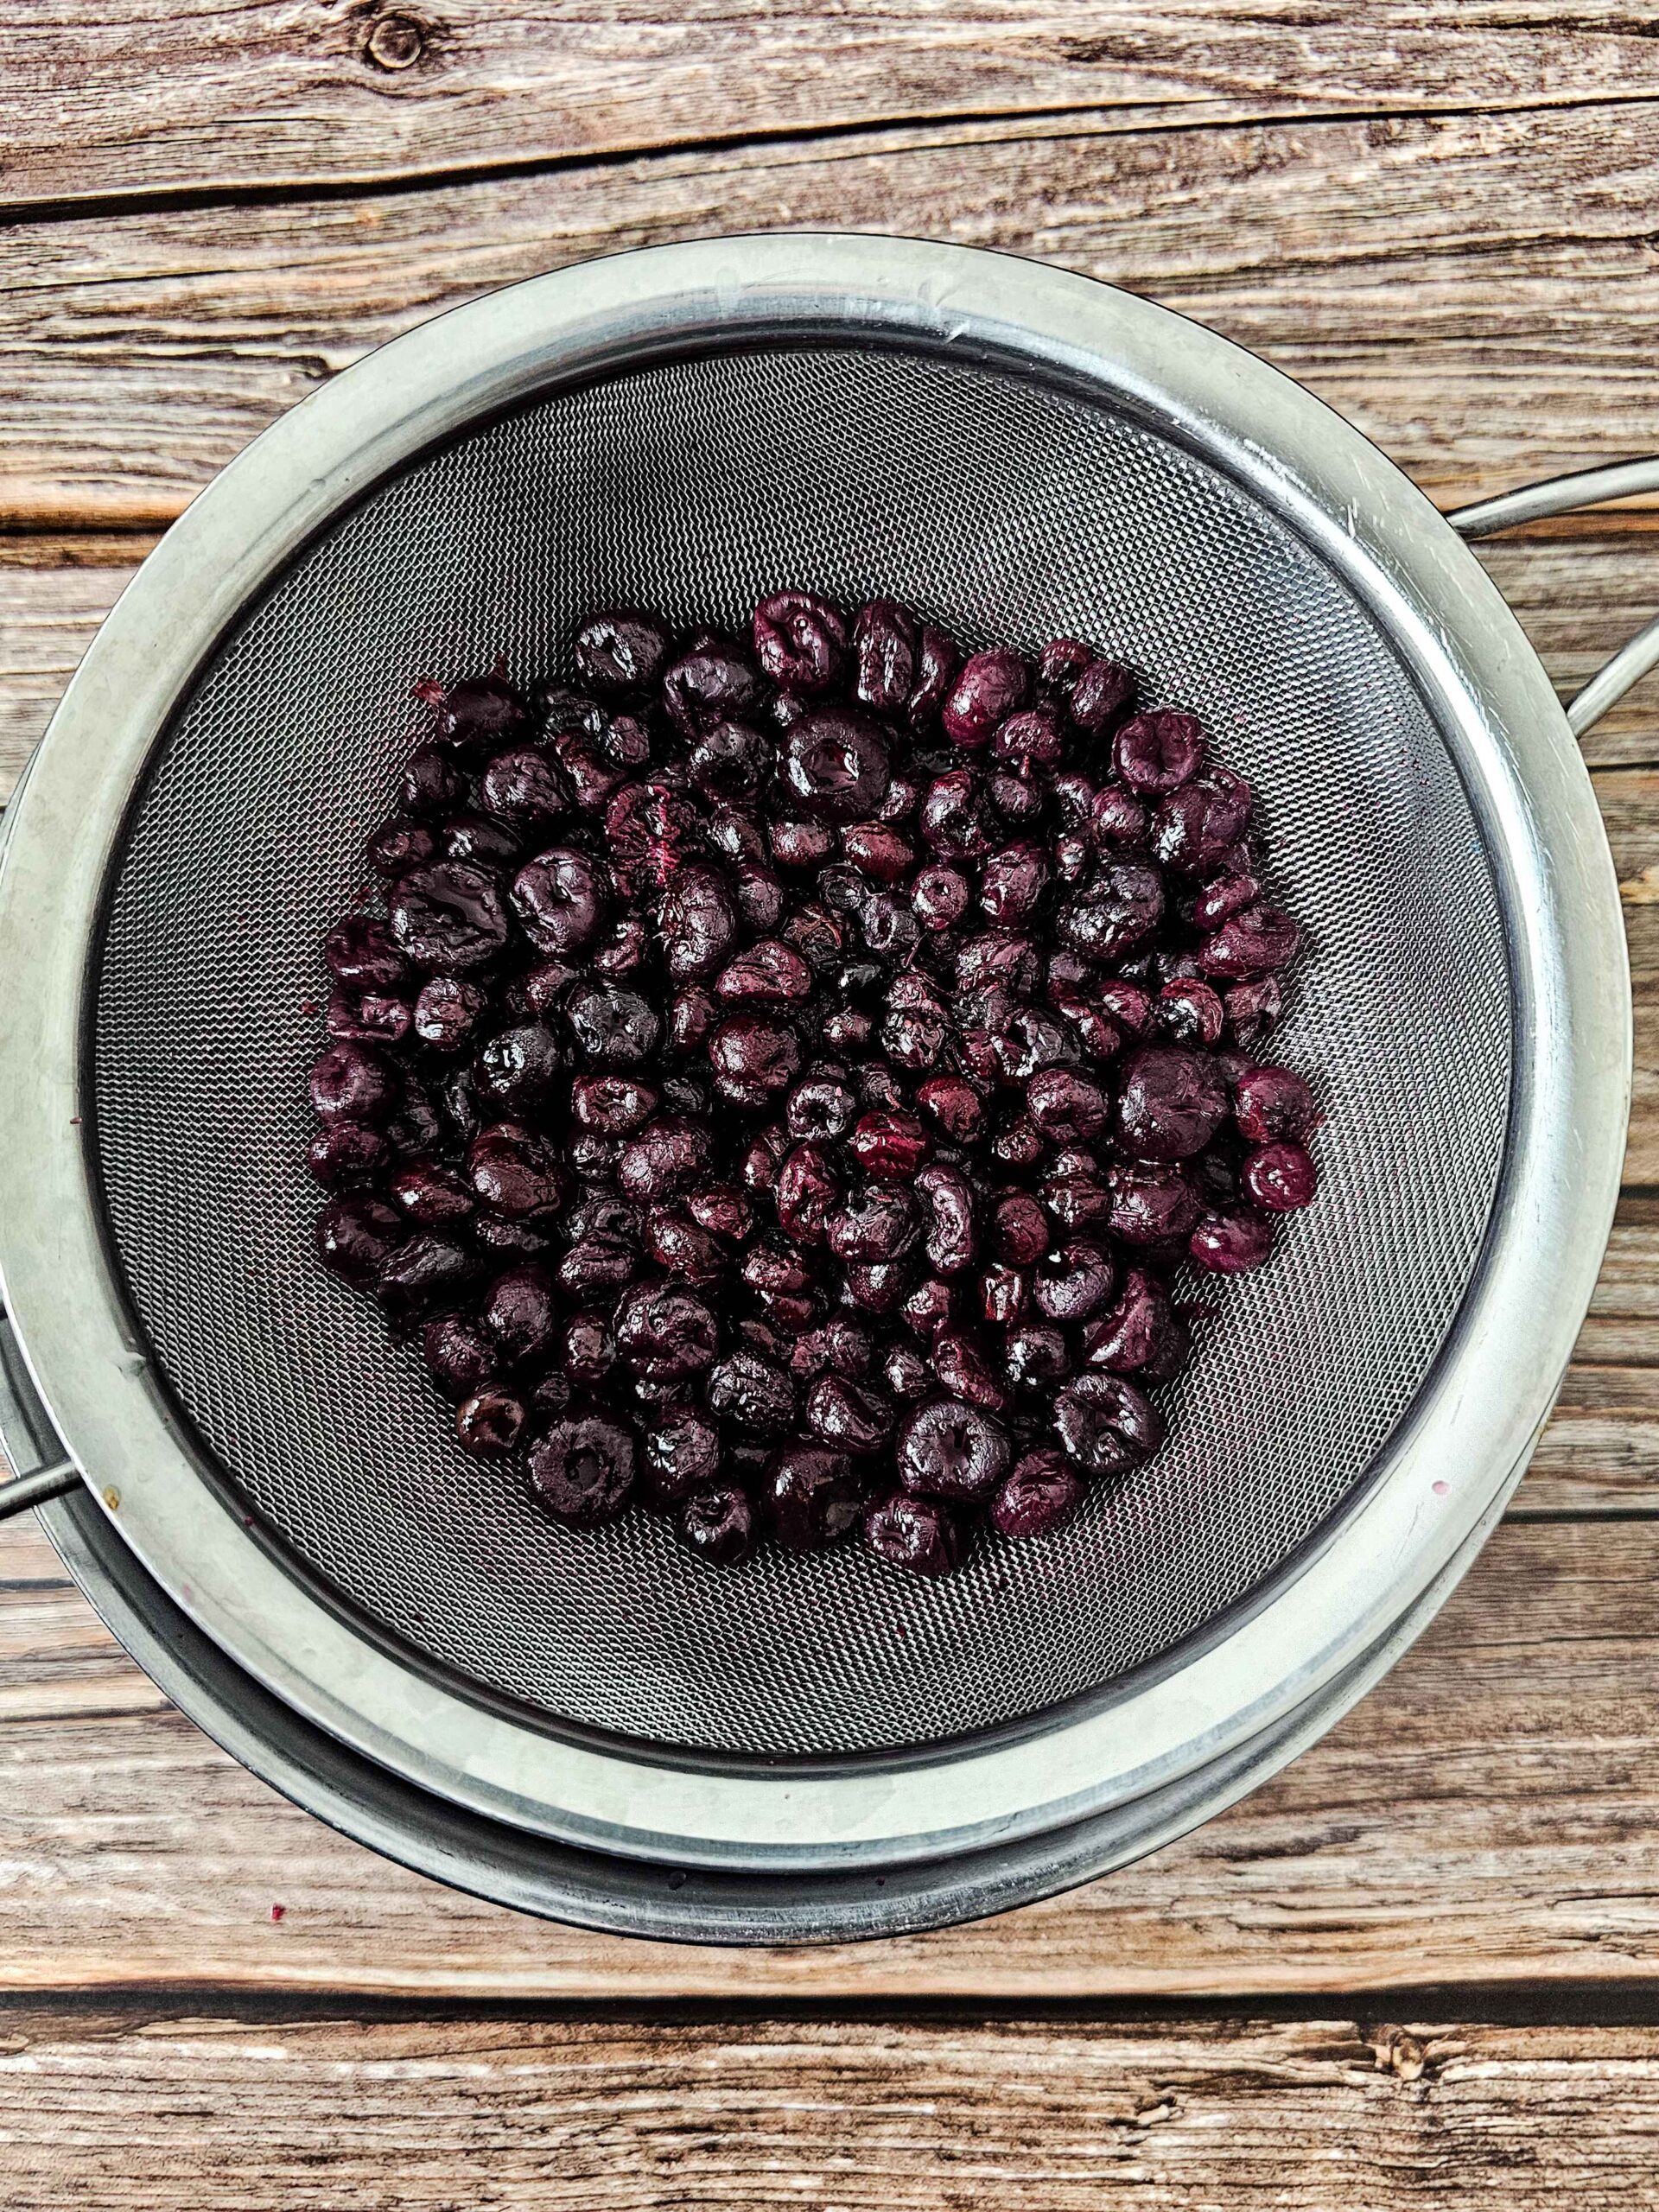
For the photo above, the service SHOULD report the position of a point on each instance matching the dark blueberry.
(1017, 798)
(431, 783)
(459, 1357)
(356, 1236)
(1020, 1228)
(754, 1060)
(1172, 1104)
(567, 712)
(448, 1011)
(360, 952)
(718, 1525)
(698, 923)
(948, 1196)
(1117, 909)
(478, 715)
(457, 1106)
(1151, 1204)
(1004, 1294)
(431, 1193)
(767, 973)
(989, 687)
(621, 652)
(585, 1352)
(1253, 1009)
(583, 1468)
(816, 934)
(1067, 1106)
(1189, 1012)
(479, 839)
(1273, 1105)
(489, 1424)
(821, 1108)
(1232, 1243)
(952, 1102)
(1041, 1495)
(1158, 752)
(613, 1028)
(937, 661)
(1033, 738)
(690, 1017)
(1134, 1329)
(939, 897)
(914, 1534)
(1101, 693)
(515, 1173)
(682, 1247)
(905, 1372)
(448, 918)
(665, 1333)
(399, 845)
(343, 1152)
(424, 1272)
(1060, 662)
(597, 1267)
(667, 1156)
(349, 1082)
(589, 774)
(1073, 1283)
(930, 1306)
(1077, 1200)
(1036, 1355)
(1011, 882)
(849, 1415)
(800, 639)
(752, 1394)
(1193, 827)
(616, 1105)
(913, 1037)
(812, 1497)
(998, 957)
(1117, 817)
(525, 788)
(1106, 1424)
(955, 821)
(728, 761)
(1019, 1143)
(890, 1145)
(758, 1166)
(626, 742)
(879, 851)
(517, 1068)
(834, 763)
(964, 1370)
(1025, 1041)
(800, 844)
(949, 1450)
(1072, 796)
(1098, 1039)
(1281, 1177)
(683, 1454)
(560, 899)
(510, 1239)
(877, 1286)
(884, 655)
(710, 682)
(1257, 941)
(1127, 1005)
(1224, 896)
(840, 1347)
(904, 797)
(367, 1018)
(874, 1223)
(520, 1312)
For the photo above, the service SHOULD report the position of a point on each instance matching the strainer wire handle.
(1565, 495)
(26, 1425)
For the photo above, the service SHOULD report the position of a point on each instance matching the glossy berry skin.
(583, 1468)
(919, 1535)
(774, 1079)
(1041, 1495)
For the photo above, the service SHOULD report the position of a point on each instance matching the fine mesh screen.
(1007, 512)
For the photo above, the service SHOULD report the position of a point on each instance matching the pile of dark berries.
(786, 1076)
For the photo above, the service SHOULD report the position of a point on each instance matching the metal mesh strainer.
(1010, 512)
(1017, 453)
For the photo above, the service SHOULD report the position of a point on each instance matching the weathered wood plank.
(1488, 1814)
(1324, 2115)
(1477, 291)
(106, 97)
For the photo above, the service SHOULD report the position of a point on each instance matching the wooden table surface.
(1422, 1967)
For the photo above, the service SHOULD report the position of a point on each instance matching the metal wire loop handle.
(1566, 495)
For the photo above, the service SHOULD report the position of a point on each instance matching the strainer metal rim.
(1470, 1426)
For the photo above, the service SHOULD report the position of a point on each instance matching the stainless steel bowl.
(1130, 470)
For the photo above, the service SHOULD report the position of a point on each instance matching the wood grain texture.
(1490, 1813)
(106, 97)
(1324, 2115)
(1477, 292)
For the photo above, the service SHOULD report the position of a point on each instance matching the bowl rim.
(1475, 1420)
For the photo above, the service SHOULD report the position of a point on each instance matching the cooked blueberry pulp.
(786, 1076)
